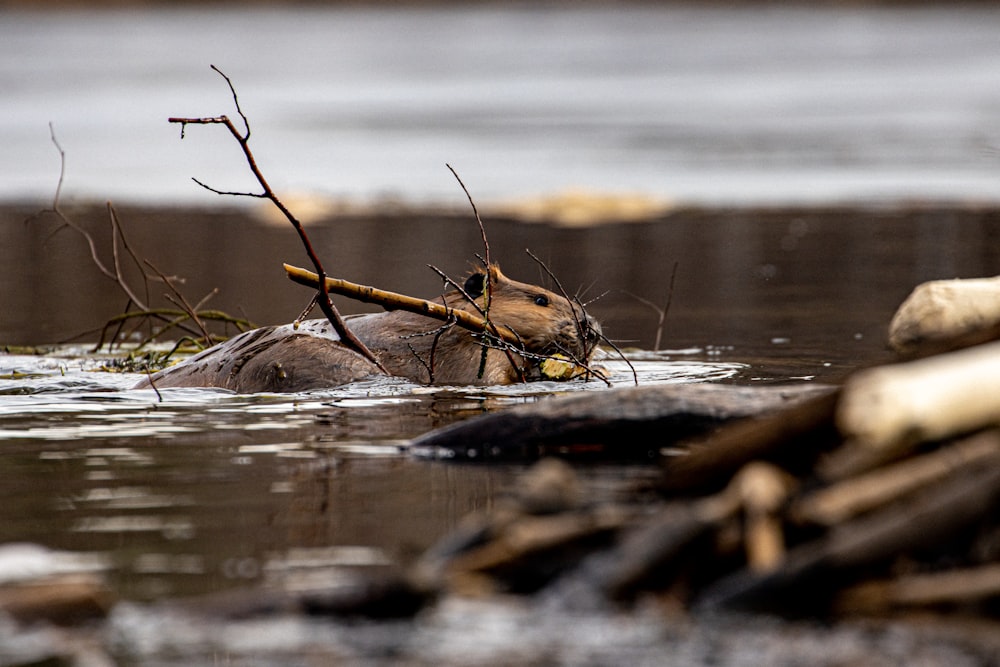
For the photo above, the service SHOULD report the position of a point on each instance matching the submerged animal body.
(311, 356)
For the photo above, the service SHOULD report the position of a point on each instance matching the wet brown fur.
(406, 344)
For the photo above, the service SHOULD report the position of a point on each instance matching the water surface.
(772, 104)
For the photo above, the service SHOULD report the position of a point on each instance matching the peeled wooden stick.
(394, 301)
(915, 590)
(862, 493)
(893, 406)
(943, 315)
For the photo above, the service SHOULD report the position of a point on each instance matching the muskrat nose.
(593, 329)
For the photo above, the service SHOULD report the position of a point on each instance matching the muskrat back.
(409, 345)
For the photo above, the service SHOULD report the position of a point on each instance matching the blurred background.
(804, 166)
(697, 102)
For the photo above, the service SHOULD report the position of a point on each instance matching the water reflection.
(203, 489)
(206, 489)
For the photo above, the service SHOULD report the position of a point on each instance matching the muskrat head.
(546, 323)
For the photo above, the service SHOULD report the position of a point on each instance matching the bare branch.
(582, 328)
(230, 193)
(243, 139)
(662, 312)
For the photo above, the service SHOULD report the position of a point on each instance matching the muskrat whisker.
(598, 297)
(635, 376)
(580, 293)
(580, 330)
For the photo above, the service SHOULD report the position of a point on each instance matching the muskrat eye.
(541, 300)
(475, 285)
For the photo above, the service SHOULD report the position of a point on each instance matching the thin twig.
(488, 287)
(582, 328)
(489, 327)
(178, 300)
(662, 312)
(243, 139)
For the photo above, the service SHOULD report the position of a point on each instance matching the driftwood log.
(631, 423)
(944, 315)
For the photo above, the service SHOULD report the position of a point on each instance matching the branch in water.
(243, 139)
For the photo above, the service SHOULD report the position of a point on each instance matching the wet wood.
(395, 301)
(944, 315)
(950, 587)
(542, 528)
(844, 500)
(799, 432)
(892, 407)
(763, 490)
(645, 557)
(633, 423)
(812, 571)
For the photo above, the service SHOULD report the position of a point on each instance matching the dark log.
(632, 423)
(644, 558)
(797, 434)
(368, 595)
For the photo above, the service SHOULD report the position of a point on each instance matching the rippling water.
(198, 489)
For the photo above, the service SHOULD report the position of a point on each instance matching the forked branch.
(138, 309)
(243, 139)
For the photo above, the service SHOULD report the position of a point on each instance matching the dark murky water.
(203, 490)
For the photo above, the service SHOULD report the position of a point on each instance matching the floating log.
(892, 407)
(799, 429)
(630, 423)
(944, 315)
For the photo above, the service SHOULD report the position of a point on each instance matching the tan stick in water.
(394, 301)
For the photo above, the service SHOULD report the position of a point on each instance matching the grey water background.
(759, 103)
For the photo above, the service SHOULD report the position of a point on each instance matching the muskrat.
(287, 358)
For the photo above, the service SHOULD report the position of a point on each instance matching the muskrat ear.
(475, 284)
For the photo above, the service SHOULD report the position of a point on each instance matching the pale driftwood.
(763, 490)
(930, 399)
(628, 423)
(921, 590)
(844, 500)
(810, 573)
(941, 313)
